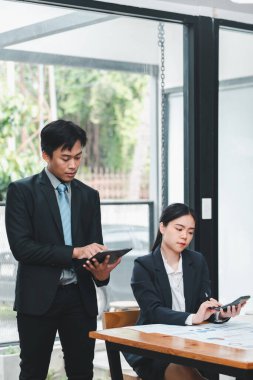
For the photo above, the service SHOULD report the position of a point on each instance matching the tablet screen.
(100, 256)
(114, 254)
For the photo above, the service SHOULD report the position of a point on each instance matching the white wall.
(235, 167)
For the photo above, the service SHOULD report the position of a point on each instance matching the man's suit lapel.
(188, 273)
(162, 277)
(49, 194)
(76, 201)
(50, 197)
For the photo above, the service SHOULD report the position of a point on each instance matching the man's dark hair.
(61, 133)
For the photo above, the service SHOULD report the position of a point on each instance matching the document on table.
(234, 333)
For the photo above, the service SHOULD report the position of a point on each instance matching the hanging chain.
(161, 43)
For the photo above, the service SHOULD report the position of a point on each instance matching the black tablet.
(113, 253)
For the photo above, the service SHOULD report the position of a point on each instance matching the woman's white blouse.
(177, 287)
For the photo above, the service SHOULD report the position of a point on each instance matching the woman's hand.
(205, 311)
(231, 311)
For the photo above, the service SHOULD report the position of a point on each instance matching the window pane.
(176, 147)
(101, 71)
(125, 226)
(235, 164)
(8, 270)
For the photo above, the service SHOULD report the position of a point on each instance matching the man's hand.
(101, 271)
(88, 251)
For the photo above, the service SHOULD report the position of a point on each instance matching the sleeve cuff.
(188, 320)
(218, 320)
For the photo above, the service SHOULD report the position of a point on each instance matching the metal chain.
(161, 44)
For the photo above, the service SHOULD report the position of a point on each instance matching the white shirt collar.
(168, 268)
(54, 180)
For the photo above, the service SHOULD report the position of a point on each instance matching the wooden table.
(207, 356)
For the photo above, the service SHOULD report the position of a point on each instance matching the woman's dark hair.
(171, 212)
(61, 133)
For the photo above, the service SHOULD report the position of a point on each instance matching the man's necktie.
(64, 206)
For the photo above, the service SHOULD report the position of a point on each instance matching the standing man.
(52, 222)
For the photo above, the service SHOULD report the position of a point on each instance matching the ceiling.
(225, 9)
(45, 34)
(221, 4)
(53, 35)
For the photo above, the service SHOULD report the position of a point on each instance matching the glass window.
(235, 164)
(176, 147)
(101, 71)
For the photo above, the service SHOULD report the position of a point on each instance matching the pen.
(207, 297)
(216, 308)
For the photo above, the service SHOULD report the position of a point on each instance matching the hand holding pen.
(206, 309)
(212, 306)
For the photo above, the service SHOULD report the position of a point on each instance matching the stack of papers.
(234, 333)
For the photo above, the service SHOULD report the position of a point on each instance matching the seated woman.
(172, 286)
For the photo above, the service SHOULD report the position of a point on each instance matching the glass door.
(235, 165)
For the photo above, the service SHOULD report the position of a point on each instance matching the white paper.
(234, 333)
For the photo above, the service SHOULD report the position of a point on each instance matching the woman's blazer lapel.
(188, 278)
(162, 277)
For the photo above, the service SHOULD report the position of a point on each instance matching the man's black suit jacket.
(35, 235)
